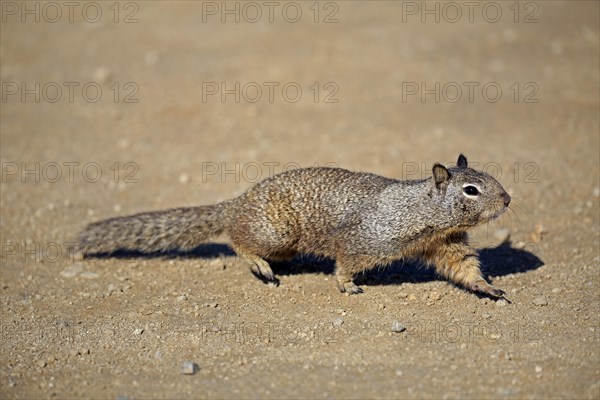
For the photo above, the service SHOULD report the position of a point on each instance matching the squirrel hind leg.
(258, 265)
(345, 270)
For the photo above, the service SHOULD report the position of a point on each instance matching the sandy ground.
(357, 89)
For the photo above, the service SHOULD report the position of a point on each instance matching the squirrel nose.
(506, 199)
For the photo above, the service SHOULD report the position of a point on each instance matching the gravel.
(397, 327)
(72, 270)
(189, 368)
(501, 303)
(540, 301)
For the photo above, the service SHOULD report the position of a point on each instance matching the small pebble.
(89, 275)
(501, 303)
(123, 143)
(215, 262)
(102, 75)
(398, 327)
(183, 297)
(184, 179)
(111, 288)
(338, 321)
(72, 270)
(138, 331)
(538, 369)
(402, 295)
(540, 301)
(189, 368)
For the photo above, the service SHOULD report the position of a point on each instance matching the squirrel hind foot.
(263, 272)
(259, 267)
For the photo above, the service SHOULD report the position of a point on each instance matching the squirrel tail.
(156, 231)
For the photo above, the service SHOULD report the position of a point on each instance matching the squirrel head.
(474, 197)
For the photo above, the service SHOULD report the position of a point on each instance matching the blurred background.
(110, 108)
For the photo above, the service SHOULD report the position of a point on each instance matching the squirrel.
(359, 219)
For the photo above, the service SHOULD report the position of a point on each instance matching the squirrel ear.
(462, 161)
(440, 177)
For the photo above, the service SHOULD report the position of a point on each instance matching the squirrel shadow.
(205, 250)
(495, 261)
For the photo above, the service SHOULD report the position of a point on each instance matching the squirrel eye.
(470, 190)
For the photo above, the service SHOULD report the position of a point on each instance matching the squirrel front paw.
(485, 288)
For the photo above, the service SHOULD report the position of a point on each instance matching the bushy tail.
(156, 231)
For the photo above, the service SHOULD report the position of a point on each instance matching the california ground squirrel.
(359, 219)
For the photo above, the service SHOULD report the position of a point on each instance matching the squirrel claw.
(486, 288)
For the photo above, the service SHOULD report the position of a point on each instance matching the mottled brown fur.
(359, 219)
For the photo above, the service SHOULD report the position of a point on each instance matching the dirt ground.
(114, 109)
